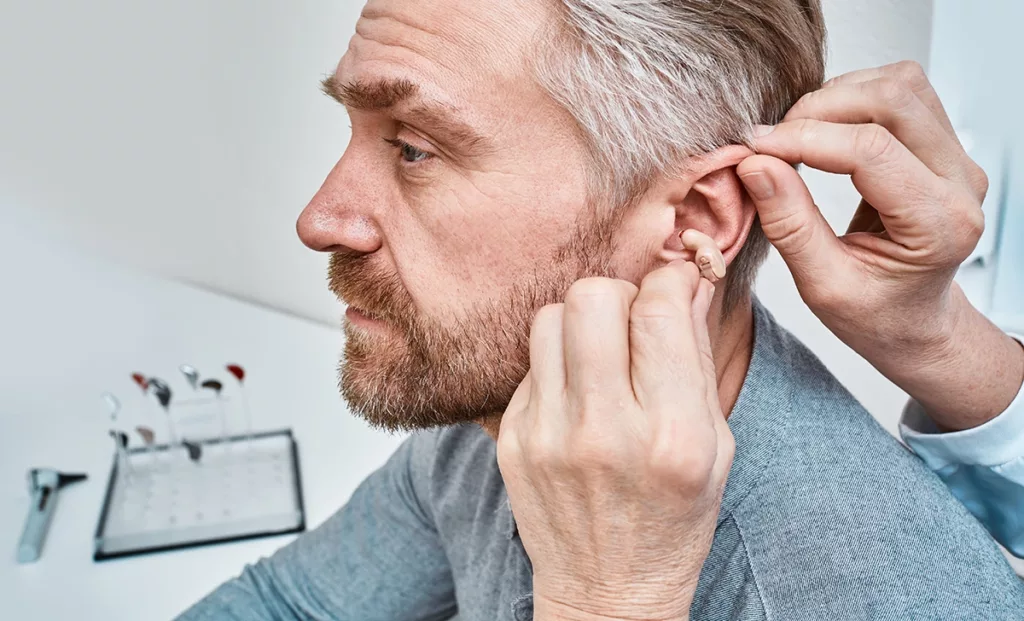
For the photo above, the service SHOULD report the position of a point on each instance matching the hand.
(614, 450)
(886, 287)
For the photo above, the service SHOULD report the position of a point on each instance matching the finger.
(547, 356)
(699, 310)
(724, 443)
(892, 104)
(596, 338)
(665, 360)
(914, 75)
(790, 219)
(909, 197)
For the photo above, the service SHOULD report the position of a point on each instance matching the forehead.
(458, 51)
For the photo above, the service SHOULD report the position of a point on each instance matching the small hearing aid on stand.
(706, 255)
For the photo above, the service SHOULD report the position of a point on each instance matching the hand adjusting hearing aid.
(707, 256)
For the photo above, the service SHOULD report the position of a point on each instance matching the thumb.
(790, 219)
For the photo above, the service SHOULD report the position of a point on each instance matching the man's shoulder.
(843, 519)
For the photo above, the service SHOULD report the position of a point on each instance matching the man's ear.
(707, 196)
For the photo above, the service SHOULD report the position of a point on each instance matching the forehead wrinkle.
(469, 49)
(488, 33)
(416, 38)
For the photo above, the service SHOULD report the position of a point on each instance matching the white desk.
(71, 328)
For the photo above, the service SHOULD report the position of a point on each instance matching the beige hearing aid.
(707, 256)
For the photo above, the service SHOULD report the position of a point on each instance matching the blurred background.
(157, 154)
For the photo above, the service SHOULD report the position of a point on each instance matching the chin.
(392, 389)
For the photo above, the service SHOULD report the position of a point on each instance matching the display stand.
(241, 487)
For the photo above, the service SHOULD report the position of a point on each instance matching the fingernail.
(760, 131)
(759, 185)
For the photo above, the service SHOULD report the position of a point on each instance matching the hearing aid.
(706, 255)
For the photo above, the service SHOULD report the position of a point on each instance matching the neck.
(732, 345)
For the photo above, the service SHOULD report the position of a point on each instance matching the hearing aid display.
(194, 472)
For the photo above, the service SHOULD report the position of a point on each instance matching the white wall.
(976, 68)
(976, 55)
(184, 137)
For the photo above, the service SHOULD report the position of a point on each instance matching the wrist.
(967, 373)
(545, 609)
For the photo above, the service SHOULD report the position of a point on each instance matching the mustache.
(358, 280)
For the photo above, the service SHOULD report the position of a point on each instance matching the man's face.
(458, 209)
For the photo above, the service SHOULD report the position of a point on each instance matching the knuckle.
(808, 101)
(686, 457)
(967, 222)
(807, 130)
(874, 143)
(974, 226)
(628, 290)
(653, 311)
(652, 325)
(910, 72)
(673, 275)
(687, 470)
(977, 178)
(894, 94)
(791, 231)
(543, 452)
(976, 221)
(588, 292)
(509, 451)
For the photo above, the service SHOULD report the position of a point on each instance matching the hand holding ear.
(614, 449)
(886, 287)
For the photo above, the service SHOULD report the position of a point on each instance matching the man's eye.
(409, 153)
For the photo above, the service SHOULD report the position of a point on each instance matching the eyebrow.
(387, 94)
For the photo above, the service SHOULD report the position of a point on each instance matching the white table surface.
(72, 328)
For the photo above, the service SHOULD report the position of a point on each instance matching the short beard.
(449, 374)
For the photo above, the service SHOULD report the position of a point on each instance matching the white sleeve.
(983, 466)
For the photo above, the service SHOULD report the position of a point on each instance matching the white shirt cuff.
(995, 443)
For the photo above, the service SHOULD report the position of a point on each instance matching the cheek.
(488, 232)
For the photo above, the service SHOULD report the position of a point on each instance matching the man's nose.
(340, 216)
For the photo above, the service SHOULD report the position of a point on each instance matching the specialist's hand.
(886, 287)
(614, 450)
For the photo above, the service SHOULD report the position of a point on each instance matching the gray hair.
(651, 83)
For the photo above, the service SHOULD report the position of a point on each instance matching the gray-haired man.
(510, 206)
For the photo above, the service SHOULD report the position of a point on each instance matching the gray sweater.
(825, 516)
